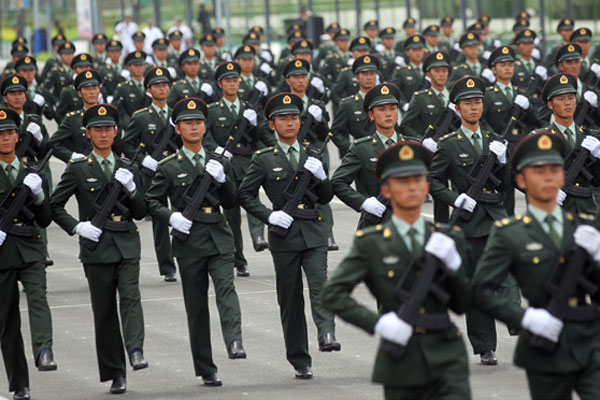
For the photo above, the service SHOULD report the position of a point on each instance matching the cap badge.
(564, 80)
(406, 153)
(385, 90)
(138, 54)
(27, 60)
(83, 57)
(505, 50)
(470, 83)
(367, 59)
(88, 74)
(416, 39)
(470, 36)
(159, 72)
(544, 143)
(2, 115)
(102, 111)
(439, 56)
(298, 64)
(571, 48)
(247, 49)
(527, 33)
(15, 80)
(361, 40)
(287, 99)
(191, 105)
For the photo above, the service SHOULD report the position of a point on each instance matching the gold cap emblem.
(27, 60)
(298, 63)
(229, 67)
(505, 50)
(564, 80)
(527, 33)
(287, 99)
(247, 49)
(138, 54)
(470, 36)
(88, 74)
(582, 31)
(416, 39)
(361, 40)
(470, 83)
(544, 143)
(367, 59)
(434, 28)
(406, 153)
(191, 105)
(159, 72)
(102, 111)
(15, 80)
(304, 43)
(439, 56)
(2, 115)
(83, 57)
(571, 48)
(385, 90)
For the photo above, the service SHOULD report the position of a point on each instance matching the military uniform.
(60, 75)
(410, 78)
(111, 73)
(335, 61)
(345, 84)
(550, 62)
(56, 42)
(130, 95)
(69, 99)
(424, 109)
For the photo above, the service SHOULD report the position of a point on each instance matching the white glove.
(88, 231)
(172, 72)
(207, 88)
(35, 130)
(486, 54)
(180, 223)
(489, 75)
(150, 163)
(535, 53)
(315, 167)
(126, 74)
(499, 149)
(443, 247)
(2, 237)
(537, 41)
(392, 328)
(399, 60)
(109, 99)
(591, 98)
(40, 101)
(373, 206)
(317, 83)
(101, 99)
(281, 219)
(216, 170)
(540, 322)
(350, 61)
(522, 101)
(592, 144)
(405, 108)
(34, 183)
(250, 115)
(265, 55)
(219, 150)
(430, 144)
(316, 112)
(266, 68)
(125, 177)
(588, 238)
(595, 68)
(560, 197)
(262, 87)
(379, 47)
(465, 202)
(542, 72)
(75, 155)
(497, 43)
(457, 47)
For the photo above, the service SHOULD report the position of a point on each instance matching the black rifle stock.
(581, 161)
(166, 142)
(445, 123)
(514, 127)
(372, 219)
(482, 171)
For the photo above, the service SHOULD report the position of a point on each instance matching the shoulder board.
(167, 158)
(215, 104)
(518, 62)
(362, 139)
(422, 91)
(130, 83)
(266, 150)
(349, 98)
(501, 223)
(370, 230)
(588, 217)
(448, 135)
(120, 84)
(345, 69)
(448, 227)
(71, 113)
(78, 160)
(140, 110)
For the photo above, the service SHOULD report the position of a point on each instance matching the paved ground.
(265, 374)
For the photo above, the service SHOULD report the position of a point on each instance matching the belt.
(208, 215)
(432, 322)
(302, 211)
(21, 229)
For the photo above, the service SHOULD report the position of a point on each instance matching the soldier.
(526, 65)
(386, 54)
(345, 85)
(531, 247)
(473, 65)
(410, 78)
(487, 40)
(175, 42)
(139, 43)
(337, 59)
(447, 39)
(111, 71)
(244, 56)
(409, 26)
(16, 52)
(381, 105)
(147, 128)
(305, 245)
(60, 75)
(293, 38)
(456, 156)
(431, 35)
(112, 259)
(222, 116)
(327, 47)
(193, 84)
(99, 41)
(160, 54)
(209, 249)
(434, 364)
(208, 46)
(371, 28)
(265, 54)
(583, 37)
(221, 53)
(130, 96)
(23, 256)
(56, 42)
(68, 100)
(565, 30)
(39, 101)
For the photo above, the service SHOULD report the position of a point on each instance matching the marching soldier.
(244, 56)
(386, 54)
(371, 28)
(23, 253)
(130, 96)
(326, 47)
(147, 128)
(337, 58)
(68, 99)
(472, 65)
(56, 42)
(381, 106)
(487, 40)
(447, 40)
(194, 83)
(208, 250)
(39, 100)
(111, 72)
(99, 42)
(565, 29)
(284, 56)
(410, 78)
(590, 70)
(16, 52)
(434, 363)
(526, 65)
(221, 53)
(409, 26)
(345, 85)
(175, 42)
(139, 44)
(110, 254)
(60, 75)
(533, 248)
(160, 54)
(431, 35)
(208, 46)
(456, 155)
(305, 245)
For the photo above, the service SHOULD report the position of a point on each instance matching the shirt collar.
(403, 227)
(562, 128)
(15, 163)
(444, 92)
(361, 94)
(503, 87)
(540, 215)
(469, 133)
(286, 147)
(196, 79)
(190, 154)
(158, 110)
(236, 103)
(384, 138)
(473, 66)
(110, 158)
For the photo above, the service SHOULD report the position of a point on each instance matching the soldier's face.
(8, 141)
(504, 70)
(563, 105)
(219, 41)
(438, 76)
(100, 47)
(571, 67)
(415, 55)
(359, 53)
(304, 56)
(366, 79)
(471, 51)
(160, 91)
(191, 68)
(28, 74)
(388, 43)
(406, 193)
(343, 45)
(585, 47)
(176, 43)
(66, 58)
(209, 51)
(385, 116)
(410, 30)
(541, 182)
(432, 40)
(16, 100)
(447, 30)
(114, 56)
(102, 137)
(89, 94)
(470, 109)
(525, 49)
(160, 54)
(81, 68)
(139, 45)
(230, 86)
(191, 130)
(247, 65)
(566, 34)
(286, 126)
(298, 83)
(372, 33)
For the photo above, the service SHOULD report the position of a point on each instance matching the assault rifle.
(580, 162)
(446, 122)
(514, 127)
(163, 145)
(372, 219)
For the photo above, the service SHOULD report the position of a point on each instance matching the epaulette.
(76, 160)
(362, 139)
(211, 105)
(130, 83)
(518, 62)
(167, 158)
(501, 223)
(398, 68)
(447, 227)
(120, 84)
(455, 68)
(589, 217)
(140, 110)
(372, 229)
(345, 69)
(71, 113)
(446, 136)
(265, 150)
(348, 98)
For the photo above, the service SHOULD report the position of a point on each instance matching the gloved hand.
(592, 144)
(109, 99)
(497, 43)
(499, 149)
(379, 47)
(39, 100)
(126, 74)
(588, 238)
(219, 150)
(180, 223)
(591, 98)
(540, 322)
(281, 219)
(537, 41)
(542, 72)
(265, 55)
(405, 107)
(560, 197)
(101, 99)
(216, 170)
(373, 206)
(250, 115)
(316, 112)
(207, 88)
(489, 75)
(266, 68)
(88, 231)
(150, 163)
(262, 87)
(452, 107)
(392, 328)
(315, 167)
(75, 155)
(457, 47)
(125, 178)
(317, 83)
(172, 72)
(399, 60)
(465, 202)
(2, 237)
(522, 101)
(34, 183)
(350, 61)
(430, 145)
(535, 53)
(35, 130)
(595, 68)
(486, 54)
(443, 247)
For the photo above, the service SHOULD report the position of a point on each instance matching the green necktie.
(414, 243)
(529, 66)
(106, 169)
(293, 159)
(570, 137)
(195, 85)
(551, 231)
(442, 98)
(508, 93)
(140, 87)
(163, 116)
(389, 143)
(199, 166)
(233, 110)
(477, 142)
(9, 174)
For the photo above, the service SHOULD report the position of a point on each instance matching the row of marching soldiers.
(205, 135)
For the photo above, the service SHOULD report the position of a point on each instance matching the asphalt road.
(264, 374)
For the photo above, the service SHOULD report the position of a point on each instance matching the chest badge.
(358, 112)
(151, 127)
(390, 259)
(534, 246)
(182, 175)
(463, 155)
(92, 180)
(277, 169)
(222, 118)
(430, 106)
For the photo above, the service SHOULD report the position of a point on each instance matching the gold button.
(536, 260)
(390, 274)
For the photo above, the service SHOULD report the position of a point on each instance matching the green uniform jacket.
(271, 169)
(519, 245)
(350, 120)
(111, 77)
(36, 150)
(57, 79)
(462, 69)
(496, 106)
(182, 89)
(379, 257)
(453, 160)
(344, 85)
(544, 114)
(423, 110)
(84, 178)
(173, 177)
(68, 101)
(387, 65)
(127, 98)
(51, 63)
(408, 81)
(144, 127)
(332, 66)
